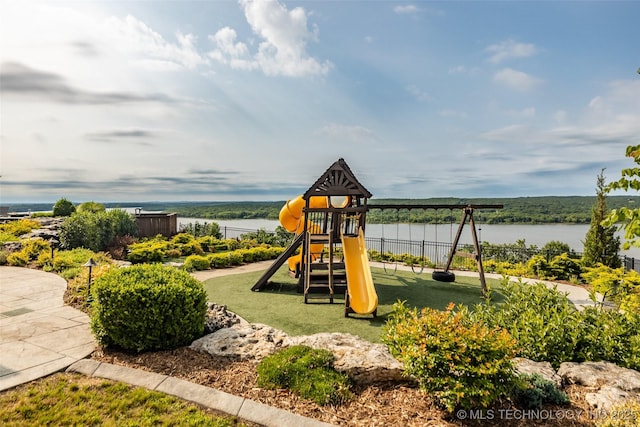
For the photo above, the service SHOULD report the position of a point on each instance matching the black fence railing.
(438, 252)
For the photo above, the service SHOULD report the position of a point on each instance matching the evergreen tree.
(601, 245)
(63, 207)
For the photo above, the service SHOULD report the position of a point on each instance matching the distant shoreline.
(517, 210)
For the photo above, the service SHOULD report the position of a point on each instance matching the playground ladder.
(323, 289)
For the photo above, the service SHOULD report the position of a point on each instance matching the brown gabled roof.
(338, 180)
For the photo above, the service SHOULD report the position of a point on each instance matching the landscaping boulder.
(218, 317)
(363, 361)
(544, 369)
(236, 339)
(241, 341)
(49, 230)
(614, 384)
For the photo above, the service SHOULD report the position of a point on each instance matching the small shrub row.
(229, 259)
(405, 258)
(158, 248)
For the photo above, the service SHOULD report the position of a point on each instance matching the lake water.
(539, 235)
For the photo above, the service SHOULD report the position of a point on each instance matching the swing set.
(444, 274)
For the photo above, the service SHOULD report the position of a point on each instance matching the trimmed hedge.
(147, 307)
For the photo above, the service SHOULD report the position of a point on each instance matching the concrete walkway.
(39, 336)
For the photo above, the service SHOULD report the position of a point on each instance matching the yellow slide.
(292, 218)
(362, 295)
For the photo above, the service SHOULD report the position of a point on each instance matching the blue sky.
(254, 99)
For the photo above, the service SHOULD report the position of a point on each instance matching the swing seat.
(443, 276)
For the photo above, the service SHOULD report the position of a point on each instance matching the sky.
(217, 100)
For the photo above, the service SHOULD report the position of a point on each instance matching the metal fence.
(438, 252)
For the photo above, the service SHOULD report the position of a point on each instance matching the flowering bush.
(461, 363)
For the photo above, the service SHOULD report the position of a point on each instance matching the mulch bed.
(374, 405)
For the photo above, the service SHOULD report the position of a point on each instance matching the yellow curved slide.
(363, 298)
(292, 218)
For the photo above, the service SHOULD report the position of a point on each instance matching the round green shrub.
(219, 260)
(182, 238)
(197, 262)
(533, 391)
(34, 247)
(191, 248)
(153, 250)
(306, 371)
(545, 324)
(248, 256)
(462, 364)
(147, 307)
(63, 207)
(235, 257)
(274, 252)
(3, 257)
(207, 243)
(18, 259)
(260, 253)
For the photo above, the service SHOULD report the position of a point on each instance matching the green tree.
(629, 218)
(555, 247)
(91, 207)
(601, 245)
(96, 230)
(63, 207)
(199, 230)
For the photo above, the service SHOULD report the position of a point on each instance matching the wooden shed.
(152, 224)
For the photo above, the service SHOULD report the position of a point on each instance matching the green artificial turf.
(280, 306)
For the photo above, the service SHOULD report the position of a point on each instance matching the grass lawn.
(280, 306)
(77, 400)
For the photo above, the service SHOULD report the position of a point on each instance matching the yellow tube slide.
(363, 298)
(292, 218)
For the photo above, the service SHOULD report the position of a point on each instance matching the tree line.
(519, 210)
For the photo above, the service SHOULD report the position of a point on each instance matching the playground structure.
(329, 221)
(329, 224)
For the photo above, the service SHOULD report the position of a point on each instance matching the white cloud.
(408, 9)
(560, 116)
(458, 69)
(454, 113)
(284, 35)
(524, 113)
(418, 93)
(515, 79)
(230, 51)
(596, 103)
(510, 49)
(349, 132)
(621, 95)
(512, 133)
(151, 50)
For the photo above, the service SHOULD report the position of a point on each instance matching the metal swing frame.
(468, 214)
